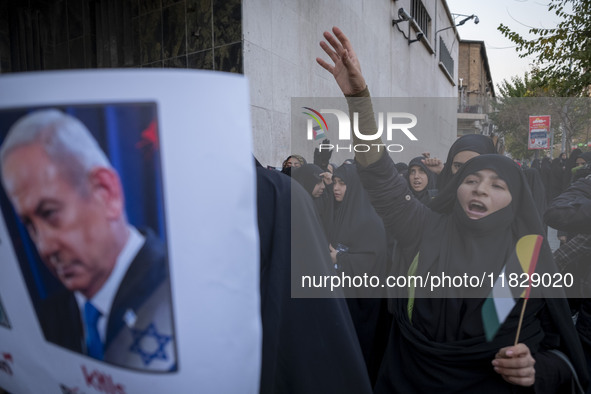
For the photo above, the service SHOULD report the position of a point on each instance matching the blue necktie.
(94, 346)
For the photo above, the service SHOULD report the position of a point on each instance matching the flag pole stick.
(531, 268)
(520, 321)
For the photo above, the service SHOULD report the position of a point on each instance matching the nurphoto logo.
(394, 121)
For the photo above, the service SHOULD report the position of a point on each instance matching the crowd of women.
(461, 216)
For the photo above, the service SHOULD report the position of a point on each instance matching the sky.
(518, 15)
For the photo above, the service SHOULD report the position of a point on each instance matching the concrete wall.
(280, 46)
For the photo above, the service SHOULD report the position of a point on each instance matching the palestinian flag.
(503, 298)
(318, 133)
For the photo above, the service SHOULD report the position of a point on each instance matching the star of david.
(161, 340)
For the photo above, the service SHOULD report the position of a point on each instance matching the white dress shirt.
(103, 299)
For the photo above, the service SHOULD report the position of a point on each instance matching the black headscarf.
(478, 143)
(303, 338)
(572, 159)
(546, 172)
(537, 188)
(287, 169)
(583, 170)
(402, 168)
(471, 246)
(358, 228)
(569, 164)
(298, 157)
(444, 338)
(308, 176)
(587, 157)
(557, 175)
(424, 195)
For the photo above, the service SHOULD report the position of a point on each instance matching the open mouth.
(476, 208)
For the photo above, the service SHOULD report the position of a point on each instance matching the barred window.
(445, 57)
(421, 16)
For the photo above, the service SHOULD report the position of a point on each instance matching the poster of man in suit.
(75, 223)
(115, 270)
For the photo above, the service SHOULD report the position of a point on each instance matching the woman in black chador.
(357, 240)
(473, 225)
(421, 180)
(358, 247)
(462, 150)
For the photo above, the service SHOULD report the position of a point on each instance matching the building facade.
(279, 59)
(475, 90)
(408, 54)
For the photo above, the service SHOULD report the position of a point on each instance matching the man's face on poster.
(68, 224)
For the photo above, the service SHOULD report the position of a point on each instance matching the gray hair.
(65, 139)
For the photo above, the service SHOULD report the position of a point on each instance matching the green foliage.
(512, 111)
(563, 54)
(529, 86)
(529, 96)
(516, 145)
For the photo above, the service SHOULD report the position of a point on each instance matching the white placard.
(181, 143)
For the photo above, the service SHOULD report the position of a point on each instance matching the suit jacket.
(141, 313)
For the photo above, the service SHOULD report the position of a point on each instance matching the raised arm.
(402, 214)
(346, 71)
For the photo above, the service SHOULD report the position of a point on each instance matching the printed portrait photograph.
(82, 199)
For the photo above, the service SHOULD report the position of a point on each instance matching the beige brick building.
(475, 89)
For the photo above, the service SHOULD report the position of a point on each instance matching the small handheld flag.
(503, 297)
(528, 262)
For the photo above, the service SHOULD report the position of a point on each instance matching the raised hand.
(433, 164)
(322, 157)
(346, 69)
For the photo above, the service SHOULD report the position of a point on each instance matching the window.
(420, 15)
(445, 58)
